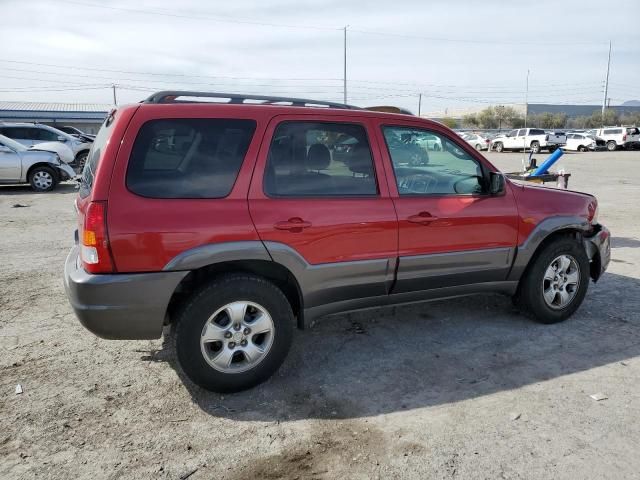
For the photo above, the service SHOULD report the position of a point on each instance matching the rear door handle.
(424, 218)
(294, 224)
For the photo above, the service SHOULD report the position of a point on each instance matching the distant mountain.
(631, 103)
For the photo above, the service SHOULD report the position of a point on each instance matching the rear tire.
(478, 147)
(582, 148)
(81, 159)
(542, 293)
(209, 322)
(611, 146)
(535, 147)
(43, 179)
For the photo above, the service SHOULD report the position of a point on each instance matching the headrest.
(318, 157)
(360, 160)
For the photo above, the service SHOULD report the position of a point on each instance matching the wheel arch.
(251, 257)
(42, 164)
(546, 232)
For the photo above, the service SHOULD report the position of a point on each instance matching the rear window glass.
(93, 158)
(188, 158)
(534, 131)
(613, 131)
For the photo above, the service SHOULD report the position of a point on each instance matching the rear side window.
(613, 131)
(93, 158)
(320, 160)
(535, 131)
(188, 158)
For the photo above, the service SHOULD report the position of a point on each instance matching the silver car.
(29, 134)
(40, 168)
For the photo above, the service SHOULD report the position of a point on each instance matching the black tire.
(611, 146)
(196, 312)
(582, 148)
(81, 159)
(478, 147)
(530, 297)
(43, 179)
(535, 147)
(499, 147)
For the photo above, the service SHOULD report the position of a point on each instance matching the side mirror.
(62, 139)
(496, 183)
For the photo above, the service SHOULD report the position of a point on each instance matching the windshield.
(12, 144)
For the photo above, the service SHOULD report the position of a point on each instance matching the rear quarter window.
(94, 156)
(188, 158)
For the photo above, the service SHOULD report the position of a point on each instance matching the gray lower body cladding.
(119, 306)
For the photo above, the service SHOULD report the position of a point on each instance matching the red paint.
(145, 234)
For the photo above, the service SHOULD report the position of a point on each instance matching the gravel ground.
(464, 388)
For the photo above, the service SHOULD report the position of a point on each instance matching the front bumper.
(66, 171)
(598, 246)
(123, 306)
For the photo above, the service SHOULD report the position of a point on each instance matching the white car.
(581, 142)
(619, 137)
(477, 140)
(535, 139)
(36, 165)
(29, 134)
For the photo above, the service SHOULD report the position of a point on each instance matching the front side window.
(44, 135)
(188, 158)
(313, 159)
(447, 171)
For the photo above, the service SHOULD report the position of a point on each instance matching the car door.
(324, 211)
(451, 231)
(10, 165)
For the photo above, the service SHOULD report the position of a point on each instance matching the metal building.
(85, 116)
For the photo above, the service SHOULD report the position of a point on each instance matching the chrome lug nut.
(247, 331)
(227, 334)
(232, 344)
(236, 326)
(243, 343)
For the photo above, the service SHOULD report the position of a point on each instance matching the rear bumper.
(125, 306)
(598, 246)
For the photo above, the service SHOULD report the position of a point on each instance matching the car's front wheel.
(234, 333)
(555, 283)
(43, 179)
(499, 147)
(611, 146)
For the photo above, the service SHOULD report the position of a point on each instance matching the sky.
(459, 54)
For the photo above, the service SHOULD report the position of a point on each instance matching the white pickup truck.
(525, 138)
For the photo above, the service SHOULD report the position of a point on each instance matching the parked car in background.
(296, 235)
(76, 133)
(33, 133)
(619, 137)
(477, 140)
(535, 139)
(580, 142)
(41, 168)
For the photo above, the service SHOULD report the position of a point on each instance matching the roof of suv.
(265, 103)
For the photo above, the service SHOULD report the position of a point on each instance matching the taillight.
(94, 241)
(624, 137)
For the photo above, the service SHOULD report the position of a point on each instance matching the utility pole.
(344, 76)
(526, 112)
(606, 85)
(115, 100)
(419, 104)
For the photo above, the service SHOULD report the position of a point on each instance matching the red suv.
(236, 220)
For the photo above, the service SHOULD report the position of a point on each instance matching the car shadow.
(63, 188)
(624, 242)
(410, 357)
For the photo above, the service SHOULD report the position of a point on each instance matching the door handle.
(424, 218)
(294, 224)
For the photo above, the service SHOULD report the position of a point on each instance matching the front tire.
(611, 146)
(499, 147)
(81, 159)
(582, 148)
(535, 147)
(43, 179)
(234, 333)
(555, 283)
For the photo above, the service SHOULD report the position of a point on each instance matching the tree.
(470, 120)
(449, 122)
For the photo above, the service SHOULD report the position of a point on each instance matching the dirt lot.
(456, 389)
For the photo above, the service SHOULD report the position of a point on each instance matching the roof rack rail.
(170, 96)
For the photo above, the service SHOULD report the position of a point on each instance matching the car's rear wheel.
(499, 147)
(234, 333)
(611, 145)
(535, 147)
(43, 179)
(478, 147)
(582, 148)
(555, 283)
